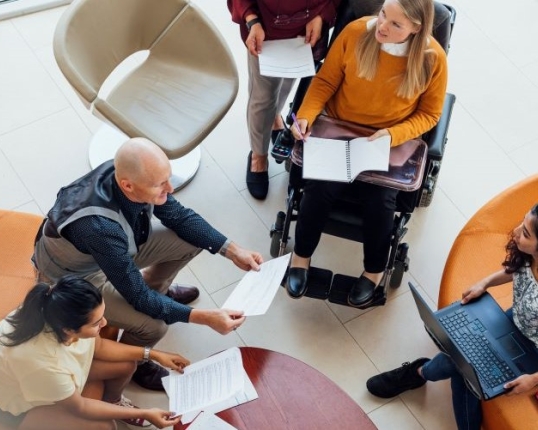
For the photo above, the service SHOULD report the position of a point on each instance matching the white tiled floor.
(44, 135)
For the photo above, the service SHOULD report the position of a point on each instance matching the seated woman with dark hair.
(520, 267)
(51, 355)
(385, 72)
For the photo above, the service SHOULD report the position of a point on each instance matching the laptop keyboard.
(468, 335)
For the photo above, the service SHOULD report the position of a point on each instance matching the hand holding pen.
(299, 128)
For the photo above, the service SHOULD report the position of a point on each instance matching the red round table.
(292, 395)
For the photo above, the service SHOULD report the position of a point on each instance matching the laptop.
(483, 342)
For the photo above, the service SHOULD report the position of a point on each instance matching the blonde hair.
(420, 59)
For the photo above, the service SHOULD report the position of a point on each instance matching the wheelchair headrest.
(350, 10)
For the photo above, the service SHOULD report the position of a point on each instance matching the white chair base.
(106, 141)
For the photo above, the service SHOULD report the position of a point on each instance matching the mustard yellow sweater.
(337, 89)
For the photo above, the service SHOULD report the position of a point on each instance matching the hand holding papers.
(215, 381)
(287, 58)
(214, 384)
(255, 292)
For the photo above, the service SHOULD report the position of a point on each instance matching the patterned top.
(525, 306)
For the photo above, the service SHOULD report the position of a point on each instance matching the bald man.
(121, 229)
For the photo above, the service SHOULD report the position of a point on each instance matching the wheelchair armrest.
(436, 137)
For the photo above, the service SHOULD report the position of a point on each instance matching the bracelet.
(147, 350)
(253, 22)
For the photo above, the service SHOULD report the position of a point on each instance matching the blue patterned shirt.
(106, 241)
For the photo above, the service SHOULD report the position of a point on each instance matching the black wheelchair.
(345, 220)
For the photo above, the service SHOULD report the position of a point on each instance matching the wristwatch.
(147, 350)
(252, 22)
(224, 248)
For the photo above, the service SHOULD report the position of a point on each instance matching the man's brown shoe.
(183, 294)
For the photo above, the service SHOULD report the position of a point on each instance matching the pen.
(297, 125)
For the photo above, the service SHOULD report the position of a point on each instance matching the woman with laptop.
(520, 267)
(51, 355)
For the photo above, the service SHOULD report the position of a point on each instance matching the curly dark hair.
(515, 259)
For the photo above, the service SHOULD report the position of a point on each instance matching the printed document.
(206, 382)
(343, 161)
(209, 421)
(256, 291)
(246, 395)
(287, 58)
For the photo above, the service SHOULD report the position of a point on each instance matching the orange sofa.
(17, 276)
(17, 233)
(478, 251)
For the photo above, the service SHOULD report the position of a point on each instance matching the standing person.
(103, 228)
(261, 20)
(51, 356)
(521, 268)
(385, 72)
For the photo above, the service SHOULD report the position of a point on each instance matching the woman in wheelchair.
(385, 72)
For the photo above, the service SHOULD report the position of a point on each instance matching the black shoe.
(149, 375)
(257, 182)
(183, 294)
(361, 292)
(395, 382)
(296, 282)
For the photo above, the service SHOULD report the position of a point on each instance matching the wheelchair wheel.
(428, 188)
(276, 234)
(275, 243)
(397, 274)
(426, 197)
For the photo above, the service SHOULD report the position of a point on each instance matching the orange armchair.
(17, 277)
(17, 274)
(477, 252)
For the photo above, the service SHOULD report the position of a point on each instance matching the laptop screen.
(445, 343)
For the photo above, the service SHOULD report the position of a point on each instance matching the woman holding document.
(51, 356)
(262, 20)
(386, 72)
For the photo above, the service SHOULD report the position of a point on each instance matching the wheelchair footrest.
(319, 283)
(341, 287)
(324, 286)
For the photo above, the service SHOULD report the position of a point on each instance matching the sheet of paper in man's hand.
(256, 291)
(287, 58)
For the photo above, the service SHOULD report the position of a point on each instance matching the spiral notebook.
(343, 160)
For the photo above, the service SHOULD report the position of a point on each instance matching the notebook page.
(369, 155)
(325, 159)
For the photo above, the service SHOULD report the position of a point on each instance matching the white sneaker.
(134, 423)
